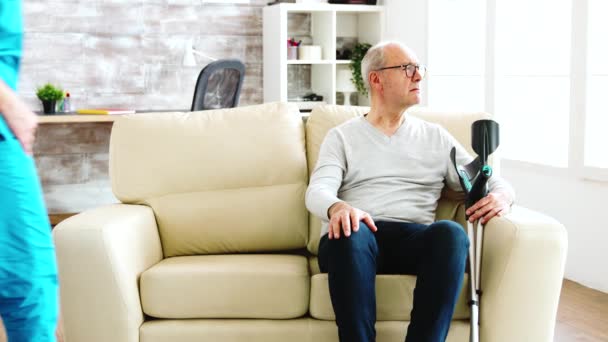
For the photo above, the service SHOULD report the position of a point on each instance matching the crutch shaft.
(478, 245)
(474, 326)
(474, 332)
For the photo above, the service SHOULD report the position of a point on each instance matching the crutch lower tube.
(478, 251)
(474, 302)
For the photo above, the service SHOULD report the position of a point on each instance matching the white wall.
(579, 205)
(576, 203)
(406, 22)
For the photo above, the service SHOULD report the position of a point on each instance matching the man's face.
(399, 89)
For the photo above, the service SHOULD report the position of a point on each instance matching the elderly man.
(376, 186)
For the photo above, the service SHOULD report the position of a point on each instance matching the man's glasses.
(410, 69)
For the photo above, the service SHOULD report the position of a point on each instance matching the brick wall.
(72, 161)
(123, 53)
(129, 52)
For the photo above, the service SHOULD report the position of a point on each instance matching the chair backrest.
(219, 85)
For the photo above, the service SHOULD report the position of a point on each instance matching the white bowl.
(309, 52)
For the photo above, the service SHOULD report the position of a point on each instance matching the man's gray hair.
(374, 60)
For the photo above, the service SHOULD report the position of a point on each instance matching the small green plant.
(355, 66)
(49, 92)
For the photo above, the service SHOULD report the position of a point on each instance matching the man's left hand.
(495, 203)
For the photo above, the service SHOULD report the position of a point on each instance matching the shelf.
(332, 27)
(309, 61)
(322, 61)
(307, 8)
(307, 105)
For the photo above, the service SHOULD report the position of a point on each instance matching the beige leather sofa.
(213, 241)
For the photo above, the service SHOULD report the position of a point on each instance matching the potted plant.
(359, 52)
(49, 95)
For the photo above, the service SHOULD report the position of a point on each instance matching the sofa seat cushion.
(394, 296)
(227, 286)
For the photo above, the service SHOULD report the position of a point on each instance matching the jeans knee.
(361, 241)
(449, 234)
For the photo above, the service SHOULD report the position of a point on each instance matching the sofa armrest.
(523, 259)
(101, 254)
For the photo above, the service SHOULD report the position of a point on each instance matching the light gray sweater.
(397, 178)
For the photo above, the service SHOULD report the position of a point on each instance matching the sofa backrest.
(219, 181)
(324, 117)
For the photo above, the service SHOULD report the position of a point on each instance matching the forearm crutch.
(474, 178)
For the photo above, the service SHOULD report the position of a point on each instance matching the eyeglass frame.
(417, 68)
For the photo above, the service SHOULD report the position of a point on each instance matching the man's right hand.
(344, 218)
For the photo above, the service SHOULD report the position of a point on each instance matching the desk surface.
(73, 117)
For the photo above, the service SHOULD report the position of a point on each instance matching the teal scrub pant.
(28, 271)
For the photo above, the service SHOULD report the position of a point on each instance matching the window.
(596, 121)
(516, 59)
(532, 94)
(456, 55)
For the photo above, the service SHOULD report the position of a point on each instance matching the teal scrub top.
(11, 41)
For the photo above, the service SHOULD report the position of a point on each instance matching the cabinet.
(332, 27)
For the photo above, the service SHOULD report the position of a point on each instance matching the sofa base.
(295, 330)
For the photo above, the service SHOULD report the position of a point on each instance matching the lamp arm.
(203, 55)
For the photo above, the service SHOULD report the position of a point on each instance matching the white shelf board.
(322, 61)
(310, 61)
(307, 105)
(306, 8)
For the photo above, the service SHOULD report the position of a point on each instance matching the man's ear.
(374, 80)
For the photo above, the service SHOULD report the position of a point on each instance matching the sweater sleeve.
(326, 179)
(495, 183)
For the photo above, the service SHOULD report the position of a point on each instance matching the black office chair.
(219, 85)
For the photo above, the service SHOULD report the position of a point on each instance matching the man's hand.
(21, 120)
(343, 217)
(495, 203)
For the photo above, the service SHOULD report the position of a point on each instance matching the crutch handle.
(479, 188)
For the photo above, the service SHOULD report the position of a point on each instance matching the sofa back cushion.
(325, 117)
(219, 181)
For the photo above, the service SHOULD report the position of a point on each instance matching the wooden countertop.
(73, 117)
(49, 119)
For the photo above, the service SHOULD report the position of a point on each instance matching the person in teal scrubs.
(28, 271)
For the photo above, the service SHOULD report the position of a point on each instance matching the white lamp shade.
(343, 82)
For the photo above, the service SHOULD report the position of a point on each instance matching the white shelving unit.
(328, 23)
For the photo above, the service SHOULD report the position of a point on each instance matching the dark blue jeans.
(436, 253)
